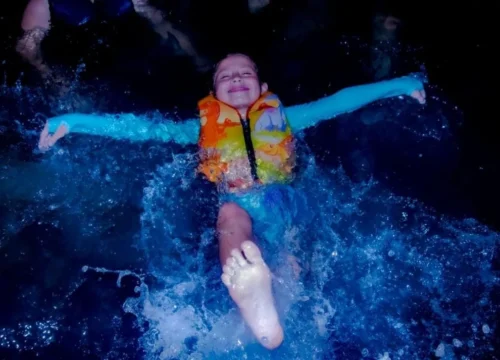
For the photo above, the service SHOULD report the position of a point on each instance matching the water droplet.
(440, 350)
(457, 343)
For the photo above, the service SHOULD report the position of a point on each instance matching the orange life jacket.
(241, 153)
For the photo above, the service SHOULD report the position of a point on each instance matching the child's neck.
(243, 113)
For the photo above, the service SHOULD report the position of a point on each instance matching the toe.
(232, 263)
(226, 279)
(252, 252)
(228, 270)
(238, 256)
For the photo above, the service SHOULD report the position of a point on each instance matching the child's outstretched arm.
(352, 98)
(121, 126)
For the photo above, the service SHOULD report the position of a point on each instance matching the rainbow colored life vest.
(241, 153)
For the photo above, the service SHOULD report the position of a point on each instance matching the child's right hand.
(47, 140)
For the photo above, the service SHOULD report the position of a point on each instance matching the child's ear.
(263, 87)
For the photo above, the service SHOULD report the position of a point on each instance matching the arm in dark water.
(350, 99)
(122, 126)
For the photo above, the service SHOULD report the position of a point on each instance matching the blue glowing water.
(108, 251)
(382, 274)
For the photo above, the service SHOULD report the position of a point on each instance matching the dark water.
(108, 250)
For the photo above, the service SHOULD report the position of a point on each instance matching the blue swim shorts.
(274, 209)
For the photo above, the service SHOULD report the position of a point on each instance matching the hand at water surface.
(415, 85)
(47, 140)
(419, 95)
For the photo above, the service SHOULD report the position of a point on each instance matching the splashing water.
(383, 276)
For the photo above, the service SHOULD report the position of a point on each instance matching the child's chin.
(242, 102)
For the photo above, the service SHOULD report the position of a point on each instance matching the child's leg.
(246, 275)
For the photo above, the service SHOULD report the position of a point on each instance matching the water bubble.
(440, 350)
(457, 343)
(384, 357)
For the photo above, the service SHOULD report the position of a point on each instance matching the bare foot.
(249, 282)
